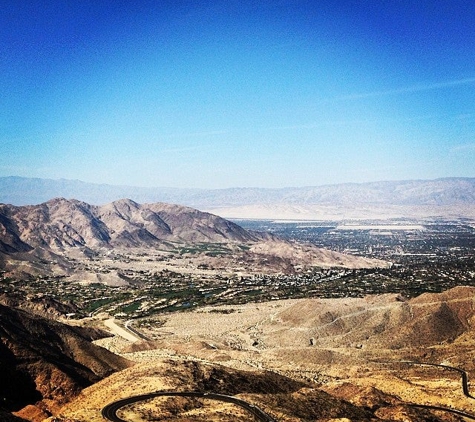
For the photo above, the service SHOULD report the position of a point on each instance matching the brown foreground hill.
(44, 363)
(366, 359)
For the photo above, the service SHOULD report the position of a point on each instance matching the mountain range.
(60, 223)
(41, 235)
(22, 191)
(37, 234)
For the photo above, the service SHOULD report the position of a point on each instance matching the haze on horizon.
(220, 94)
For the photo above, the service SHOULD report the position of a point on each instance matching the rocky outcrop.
(41, 305)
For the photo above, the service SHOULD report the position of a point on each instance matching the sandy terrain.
(349, 348)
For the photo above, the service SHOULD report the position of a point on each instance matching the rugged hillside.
(284, 399)
(39, 236)
(302, 360)
(41, 305)
(47, 363)
(61, 223)
(314, 331)
(383, 321)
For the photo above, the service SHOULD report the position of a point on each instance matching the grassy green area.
(207, 248)
(96, 304)
(132, 307)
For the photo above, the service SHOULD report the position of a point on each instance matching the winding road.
(465, 388)
(462, 373)
(110, 411)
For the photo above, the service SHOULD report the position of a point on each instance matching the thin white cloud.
(464, 148)
(191, 147)
(314, 125)
(185, 148)
(330, 123)
(197, 134)
(464, 116)
(8, 169)
(410, 89)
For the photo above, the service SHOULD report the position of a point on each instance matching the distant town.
(425, 256)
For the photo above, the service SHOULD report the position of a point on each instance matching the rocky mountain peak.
(60, 223)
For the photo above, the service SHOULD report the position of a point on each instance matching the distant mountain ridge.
(438, 192)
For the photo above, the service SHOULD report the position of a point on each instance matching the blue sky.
(217, 94)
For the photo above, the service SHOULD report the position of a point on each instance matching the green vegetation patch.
(96, 304)
(208, 248)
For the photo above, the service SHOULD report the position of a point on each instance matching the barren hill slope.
(61, 223)
(383, 321)
(305, 332)
(41, 305)
(308, 359)
(40, 236)
(283, 398)
(47, 363)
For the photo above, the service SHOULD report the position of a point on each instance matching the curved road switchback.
(110, 411)
(462, 373)
(445, 409)
(465, 388)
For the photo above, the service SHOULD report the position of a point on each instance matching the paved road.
(465, 388)
(462, 373)
(134, 331)
(122, 332)
(110, 411)
(445, 409)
